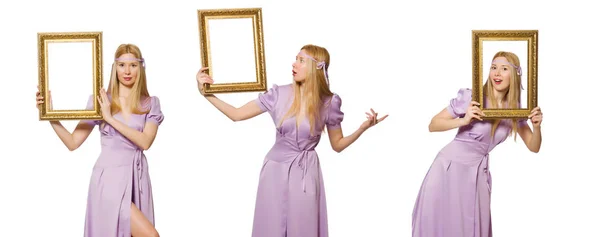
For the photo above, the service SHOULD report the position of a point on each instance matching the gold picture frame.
(58, 40)
(255, 77)
(524, 43)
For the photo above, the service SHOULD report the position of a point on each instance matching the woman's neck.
(124, 91)
(500, 96)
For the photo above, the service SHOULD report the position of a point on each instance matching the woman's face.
(127, 69)
(299, 67)
(500, 72)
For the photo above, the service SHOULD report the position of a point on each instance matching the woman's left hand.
(104, 105)
(536, 117)
(371, 120)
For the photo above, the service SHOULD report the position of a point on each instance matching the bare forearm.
(535, 142)
(225, 108)
(137, 137)
(345, 142)
(65, 136)
(442, 124)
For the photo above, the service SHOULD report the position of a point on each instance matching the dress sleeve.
(458, 105)
(90, 105)
(155, 114)
(335, 114)
(267, 100)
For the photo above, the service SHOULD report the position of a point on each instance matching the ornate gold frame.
(531, 36)
(67, 37)
(259, 53)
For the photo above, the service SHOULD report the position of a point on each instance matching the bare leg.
(140, 226)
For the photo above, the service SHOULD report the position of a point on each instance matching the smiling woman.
(120, 199)
(498, 56)
(454, 198)
(503, 86)
(502, 90)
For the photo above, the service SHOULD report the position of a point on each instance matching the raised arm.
(460, 112)
(247, 111)
(334, 128)
(532, 139)
(71, 140)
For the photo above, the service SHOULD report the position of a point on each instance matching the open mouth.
(294, 73)
(497, 81)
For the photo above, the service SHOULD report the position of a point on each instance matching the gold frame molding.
(259, 53)
(531, 36)
(68, 37)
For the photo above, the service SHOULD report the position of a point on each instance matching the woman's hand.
(40, 99)
(203, 78)
(536, 117)
(473, 112)
(104, 105)
(371, 120)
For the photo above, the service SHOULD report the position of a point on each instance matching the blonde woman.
(291, 197)
(454, 199)
(120, 194)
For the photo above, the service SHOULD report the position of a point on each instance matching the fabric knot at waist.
(299, 153)
(139, 165)
(303, 158)
(116, 153)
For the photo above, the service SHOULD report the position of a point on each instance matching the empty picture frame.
(523, 44)
(69, 66)
(232, 47)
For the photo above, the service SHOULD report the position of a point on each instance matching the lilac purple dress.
(454, 199)
(291, 196)
(119, 178)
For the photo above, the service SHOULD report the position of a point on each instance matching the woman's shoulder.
(149, 99)
(277, 90)
(282, 87)
(332, 100)
(464, 93)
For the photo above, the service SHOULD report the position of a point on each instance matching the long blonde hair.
(315, 88)
(139, 90)
(513, 95)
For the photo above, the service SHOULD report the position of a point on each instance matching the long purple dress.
(454, 199)
(119, 178)
(291, 197)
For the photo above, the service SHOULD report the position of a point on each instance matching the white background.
(70, 65)
(232, 43)
(407, 60)
(490, 48)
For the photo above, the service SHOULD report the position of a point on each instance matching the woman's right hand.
(473, 112)
(203, 78)
(40, 99)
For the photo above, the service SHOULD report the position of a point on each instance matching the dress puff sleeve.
(155, 114)
(267, 100)
(335, 114)
(90, 106)
(458, 105)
